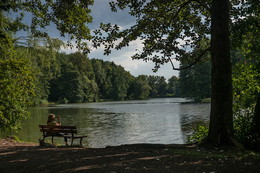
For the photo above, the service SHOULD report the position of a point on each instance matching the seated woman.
(51, 122)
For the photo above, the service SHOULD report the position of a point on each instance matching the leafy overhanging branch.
(165, 29)
(187, 3)
(70, 18)
(191, 64)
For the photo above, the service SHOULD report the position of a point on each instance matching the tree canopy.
(17, 75)
(16, 82)
(168, 29)
(177, 30)
(69, 17)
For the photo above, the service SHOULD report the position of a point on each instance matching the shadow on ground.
(127, 158)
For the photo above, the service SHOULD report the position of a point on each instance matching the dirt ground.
(30, 157)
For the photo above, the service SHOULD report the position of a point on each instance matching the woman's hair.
(50, 118)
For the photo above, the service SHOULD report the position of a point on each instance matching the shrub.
(244, 129)
(199, 134)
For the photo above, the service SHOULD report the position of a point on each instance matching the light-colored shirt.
(53, 123)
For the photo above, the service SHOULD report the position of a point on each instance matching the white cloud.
(69, 50)
(101, 13)
(135, 67)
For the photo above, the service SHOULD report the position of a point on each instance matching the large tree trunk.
(221, 118)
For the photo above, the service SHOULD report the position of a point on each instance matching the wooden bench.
(60, 131)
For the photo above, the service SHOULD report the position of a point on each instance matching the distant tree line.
(195, 81)
(74, 78)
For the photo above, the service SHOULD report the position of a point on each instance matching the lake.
(162, 120)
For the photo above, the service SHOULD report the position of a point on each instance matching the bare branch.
(190, 65)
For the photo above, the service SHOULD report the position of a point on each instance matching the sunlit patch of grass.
(206, 100)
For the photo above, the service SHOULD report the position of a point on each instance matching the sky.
(101, 12)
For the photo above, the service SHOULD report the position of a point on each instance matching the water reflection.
(116, 123)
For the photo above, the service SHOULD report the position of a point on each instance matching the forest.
(223, 66)
(74, 78)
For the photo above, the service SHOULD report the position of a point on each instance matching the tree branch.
(186, 3)
(180, 8)
(190, 65)
(203, 5)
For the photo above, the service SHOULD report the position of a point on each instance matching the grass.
(206, 100)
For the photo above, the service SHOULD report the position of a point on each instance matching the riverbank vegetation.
(74, 78)
(35, 71)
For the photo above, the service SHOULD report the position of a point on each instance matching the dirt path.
(29, 157)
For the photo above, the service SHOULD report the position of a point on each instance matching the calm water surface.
(166, 120)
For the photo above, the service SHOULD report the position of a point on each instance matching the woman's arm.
(59, 122)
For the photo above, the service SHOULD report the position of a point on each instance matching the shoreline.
(10, 141)
(30, 157)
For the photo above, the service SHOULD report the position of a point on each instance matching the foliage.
(168, 29)
(158, 86)
(16, 83)
(246, 45)
(245, 131)
(17, 75)
(112, 80)
(120, 80)
(17, 89)
(69, 17)
(245, 42)
(140, 88)
(246, 86)
(199, 134)
(246, 81)
(42, 53)
(67, 78)
(194, 82)
(173, 86)
(177, 30)
(102, 72)
(72, 83)
(246, 74)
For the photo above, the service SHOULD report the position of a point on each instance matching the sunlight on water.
(167, 120)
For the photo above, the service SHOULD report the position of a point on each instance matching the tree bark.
(221, 118)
